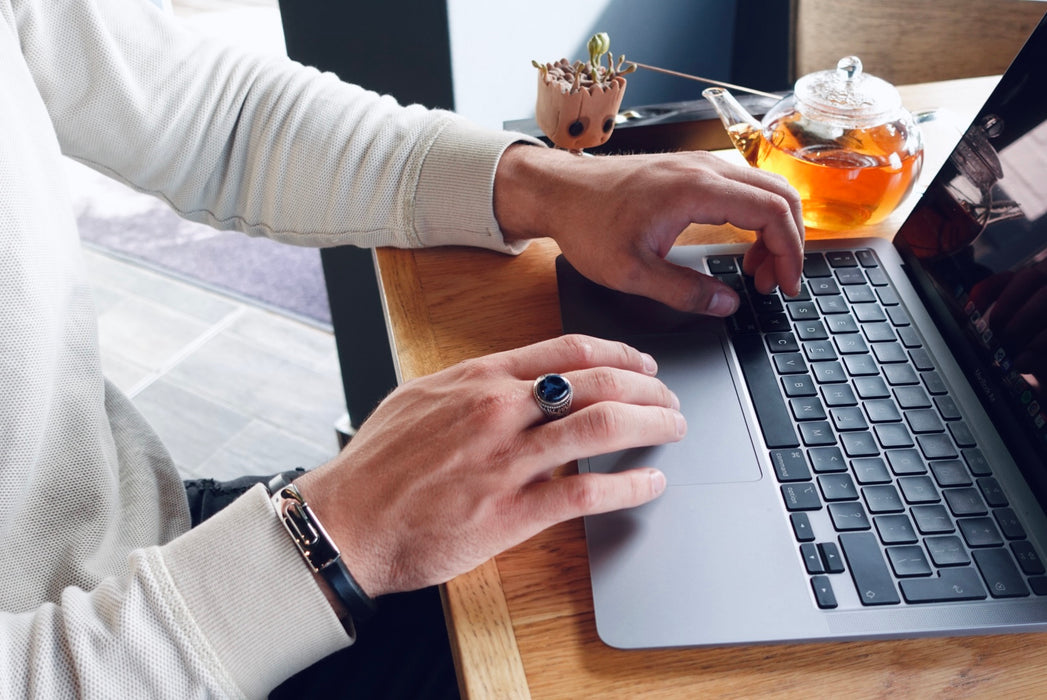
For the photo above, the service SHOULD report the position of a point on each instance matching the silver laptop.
(868, 460)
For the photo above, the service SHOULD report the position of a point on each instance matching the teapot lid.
(846, 96)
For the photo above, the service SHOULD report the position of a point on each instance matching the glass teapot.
(841, 138)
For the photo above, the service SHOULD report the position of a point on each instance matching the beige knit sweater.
(103, 592)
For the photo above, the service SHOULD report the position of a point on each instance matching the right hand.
(456, 467)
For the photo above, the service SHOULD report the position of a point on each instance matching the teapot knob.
(849, 68)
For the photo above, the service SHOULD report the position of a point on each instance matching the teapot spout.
(742, 127)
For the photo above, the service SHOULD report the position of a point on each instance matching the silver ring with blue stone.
(553, 393)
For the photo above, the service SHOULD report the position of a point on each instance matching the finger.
(556, 500)
(592, 386)
(683, 288)
(603, 427)
(573, 352)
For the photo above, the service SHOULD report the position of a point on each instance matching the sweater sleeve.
(257, 143)
(158, 633)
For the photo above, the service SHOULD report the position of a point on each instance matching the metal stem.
(708, 80)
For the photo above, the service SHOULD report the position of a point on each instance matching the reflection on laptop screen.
(978, 243)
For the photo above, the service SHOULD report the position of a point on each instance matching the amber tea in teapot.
(842, 139)
(840, 186)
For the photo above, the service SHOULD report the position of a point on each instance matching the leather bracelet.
(317, 548)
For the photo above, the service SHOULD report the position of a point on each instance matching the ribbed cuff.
(252, 596)
(455, 195)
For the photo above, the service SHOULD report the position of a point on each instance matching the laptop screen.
(976, 247)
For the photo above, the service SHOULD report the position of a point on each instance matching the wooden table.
(522, 624)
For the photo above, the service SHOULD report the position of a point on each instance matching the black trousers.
(402, 653)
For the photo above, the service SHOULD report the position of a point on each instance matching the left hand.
(616, 217)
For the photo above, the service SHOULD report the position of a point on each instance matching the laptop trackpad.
(694, 365)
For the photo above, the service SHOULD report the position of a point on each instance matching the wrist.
(527, 181)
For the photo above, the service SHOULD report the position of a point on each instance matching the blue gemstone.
(553, 388)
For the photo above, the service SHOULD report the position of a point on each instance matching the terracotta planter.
(580, 118)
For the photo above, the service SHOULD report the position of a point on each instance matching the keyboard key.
(807, 408)
(936, 446)
(882, 498)
(720, 264)
(932, 519)
(823, 286)
(850, 276)
(859, 444)
(912, 397)
(950, 472)
(811, 330)
(773, 322)
(909, 337)
(1009, 524)
(790, 465)
(950, 585)
(924, 420)
(905, 462)
(993, 493)
(962, 434)
(838, 395)
(935, 385)
(828, 372)
(979, 532)
(802, 310)
(866, 258)
(831, 557)
(816, 434)
(871, 388)
(893, 435)
(827, 459)
(964, 501)
(789, 363)
(877, 277)
(774, 419)
(918, 489)
(801, 527)
(848, 516)
(947, 550)
(869, 313)
(900, 375)
(976, 462)
(812, 560)
(947, 407)
(848, 418)
(921, 359)
(841, 258)
(870, 573)
(1028, 559)
(853, 344)
(801, 496)
(837, 487)
(834, 304)
(898, 316)
(870, 470)
(823, 592)
(815, 265)
(878, 332)
(858, 365)
(859, 294)
(908, 560)
(882, 411)
(887, 296)
(842, 324)
(782, 342)
(1000, 573)
(889, 352)
(819, 350)
(895, 529)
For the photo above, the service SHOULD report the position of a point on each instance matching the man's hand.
(456, 467)
(616, 217)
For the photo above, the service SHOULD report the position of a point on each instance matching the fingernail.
(722, 304)
(657, 482)
(681, 425)
(649, 365)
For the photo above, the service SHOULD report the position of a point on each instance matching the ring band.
(553, 393)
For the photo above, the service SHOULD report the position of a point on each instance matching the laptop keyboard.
(867, 443)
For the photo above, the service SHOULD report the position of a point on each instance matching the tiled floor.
(231, 388)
